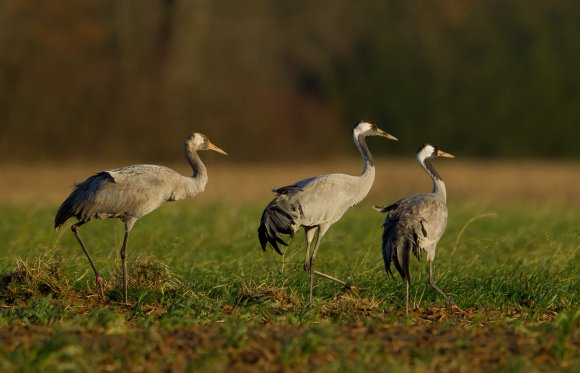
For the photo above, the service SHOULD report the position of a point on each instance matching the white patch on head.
(362, 127)
(425, 152)
(198, 139)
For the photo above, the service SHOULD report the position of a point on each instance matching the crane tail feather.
(81, 201)
(65, 211)
(397, 248)
(387, 257)
(279, 217)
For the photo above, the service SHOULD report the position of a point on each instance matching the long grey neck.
(369, 163)
(366, 179)
(199, 177)
(438, 184)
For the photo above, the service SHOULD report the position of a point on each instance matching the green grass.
(198, 276)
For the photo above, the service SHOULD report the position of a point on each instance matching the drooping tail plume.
(279, 217)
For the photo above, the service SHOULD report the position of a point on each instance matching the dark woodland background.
(279, 80)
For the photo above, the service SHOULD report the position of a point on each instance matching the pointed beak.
(441, 153)
(211, 146)
(382, 133)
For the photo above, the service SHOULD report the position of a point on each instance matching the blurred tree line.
(267, 79)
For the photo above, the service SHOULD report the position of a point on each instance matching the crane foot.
(353, 287)
(454, 308)
(99, 281)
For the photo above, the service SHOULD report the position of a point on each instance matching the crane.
(128, 193)
(318, 202)
(416, 223)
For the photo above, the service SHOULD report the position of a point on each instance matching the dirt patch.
(241, 347)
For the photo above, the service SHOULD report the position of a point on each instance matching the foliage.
(482, 77)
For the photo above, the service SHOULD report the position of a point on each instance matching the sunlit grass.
(194, 265)
(524, 258)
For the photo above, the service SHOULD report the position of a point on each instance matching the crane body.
(318, 202)
(128, 193)
(414, 225)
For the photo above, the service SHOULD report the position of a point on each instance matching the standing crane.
(128, 193)
(415, 224)
(318, 202)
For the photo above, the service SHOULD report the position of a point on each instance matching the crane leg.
(432, 283)
(312, 262)
(407, 304)
(344, 283)
(98, 277)
(124, 260)
(310, 231)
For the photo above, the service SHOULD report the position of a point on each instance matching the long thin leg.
(98, 277)
(407, 304)
(432, 283)
(124, 260)
(313, 261)
(321, 231)
(310, 231)
(344, 283)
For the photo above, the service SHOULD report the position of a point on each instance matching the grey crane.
(128, 193)
(318, 202)
(416, 223)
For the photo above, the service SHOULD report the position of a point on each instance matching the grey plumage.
(415, 224)
(318, 202)
(128, 193)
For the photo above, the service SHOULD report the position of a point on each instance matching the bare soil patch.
(430, 347)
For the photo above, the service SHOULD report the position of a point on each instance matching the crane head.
(369, 129)
(428, 151)
(198, 141)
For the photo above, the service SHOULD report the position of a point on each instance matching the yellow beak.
(211, 146)
(382, 133)
(441, 153)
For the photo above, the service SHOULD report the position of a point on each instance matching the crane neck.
(438, 184)
(199, 177)
(367, 157)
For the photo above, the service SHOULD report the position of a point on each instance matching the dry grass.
(147, 272)
(46, 274)
(276, 299)
(531, 182)
(41, 276)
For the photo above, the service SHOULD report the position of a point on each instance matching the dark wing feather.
(80, 203)
(296, 187)
(398, 243)
(288, 189)
(279, 217)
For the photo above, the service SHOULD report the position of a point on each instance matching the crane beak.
(382, 133)
(441, 153)
(211, 146)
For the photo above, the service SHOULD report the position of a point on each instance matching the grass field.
(204, 297)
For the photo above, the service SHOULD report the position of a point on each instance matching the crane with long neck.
(415, 224)
(318, 202)
(130, 192)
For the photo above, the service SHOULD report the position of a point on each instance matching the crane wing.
(412, 225)
(117, 193)
(325, 198)
(309, 202)
(296, 187)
